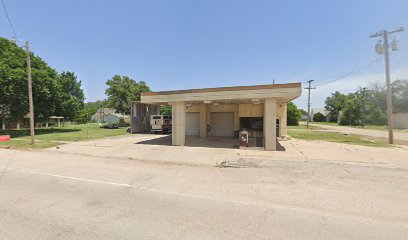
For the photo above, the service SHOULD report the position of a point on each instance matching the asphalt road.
(47, 195)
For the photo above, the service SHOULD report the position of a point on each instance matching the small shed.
(55, 121)
(400, 120)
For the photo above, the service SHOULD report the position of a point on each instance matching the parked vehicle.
(160, 123)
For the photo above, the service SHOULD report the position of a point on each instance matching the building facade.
(223, 112)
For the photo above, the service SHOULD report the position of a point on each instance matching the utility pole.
(30, 93)
(308, 101)
(383, 49)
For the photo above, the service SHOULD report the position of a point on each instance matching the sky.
(183, 44)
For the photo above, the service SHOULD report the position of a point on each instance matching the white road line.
(73, 178)
(133, 186)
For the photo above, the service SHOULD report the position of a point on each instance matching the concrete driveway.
(119, 189)
(212, 151)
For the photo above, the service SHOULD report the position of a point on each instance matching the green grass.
(301, 132)
(49, 137)
(371, 127)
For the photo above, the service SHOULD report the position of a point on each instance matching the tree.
(165, 110)
(318, 117)
(13, 75)
(335, 103)
(293, 114)
(368, 105)
(90, 108)
(123, 90)
(53, 94)
(71, 100)
(302, 111)
(13, 83)
(361, 108)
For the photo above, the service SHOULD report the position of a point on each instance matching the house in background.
(400, 120)
(303, 116)
(109, 115)
(323, 111)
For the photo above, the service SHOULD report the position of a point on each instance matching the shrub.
(293, 115)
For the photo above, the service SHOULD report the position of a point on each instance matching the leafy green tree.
(165, 110)
(71, 100)
(349, 112)
(90, 108)
(368, 105)
(53, 94)
(302, 111)
(293, 114)
(123, 90)
(361, 108)
(46, 89)
(13, 83)
(335, 103)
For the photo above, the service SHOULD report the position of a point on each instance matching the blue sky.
(194, 44)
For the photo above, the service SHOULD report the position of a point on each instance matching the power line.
(352, 72)
(8, 19)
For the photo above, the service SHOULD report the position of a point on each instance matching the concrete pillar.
(178, 136)
(3, 124)
(208, 118)
(18, 124)
(203, 120)
(236, 117)
(270, 124)
(283, 120)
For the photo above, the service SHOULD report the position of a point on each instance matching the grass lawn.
(301, 132)
(49, 137)
(371, 127)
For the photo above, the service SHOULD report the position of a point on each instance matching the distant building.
(323, 111)
(24, 122)
(303, 116)
(400, 120)
(108, 115)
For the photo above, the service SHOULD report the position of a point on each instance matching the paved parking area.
(210, 151)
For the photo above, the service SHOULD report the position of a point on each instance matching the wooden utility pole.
(384, 49)
(308, 101)
(30, 93)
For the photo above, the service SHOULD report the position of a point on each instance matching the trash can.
(243, 138)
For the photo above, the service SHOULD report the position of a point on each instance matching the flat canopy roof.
(220, 89)
(287, 92)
